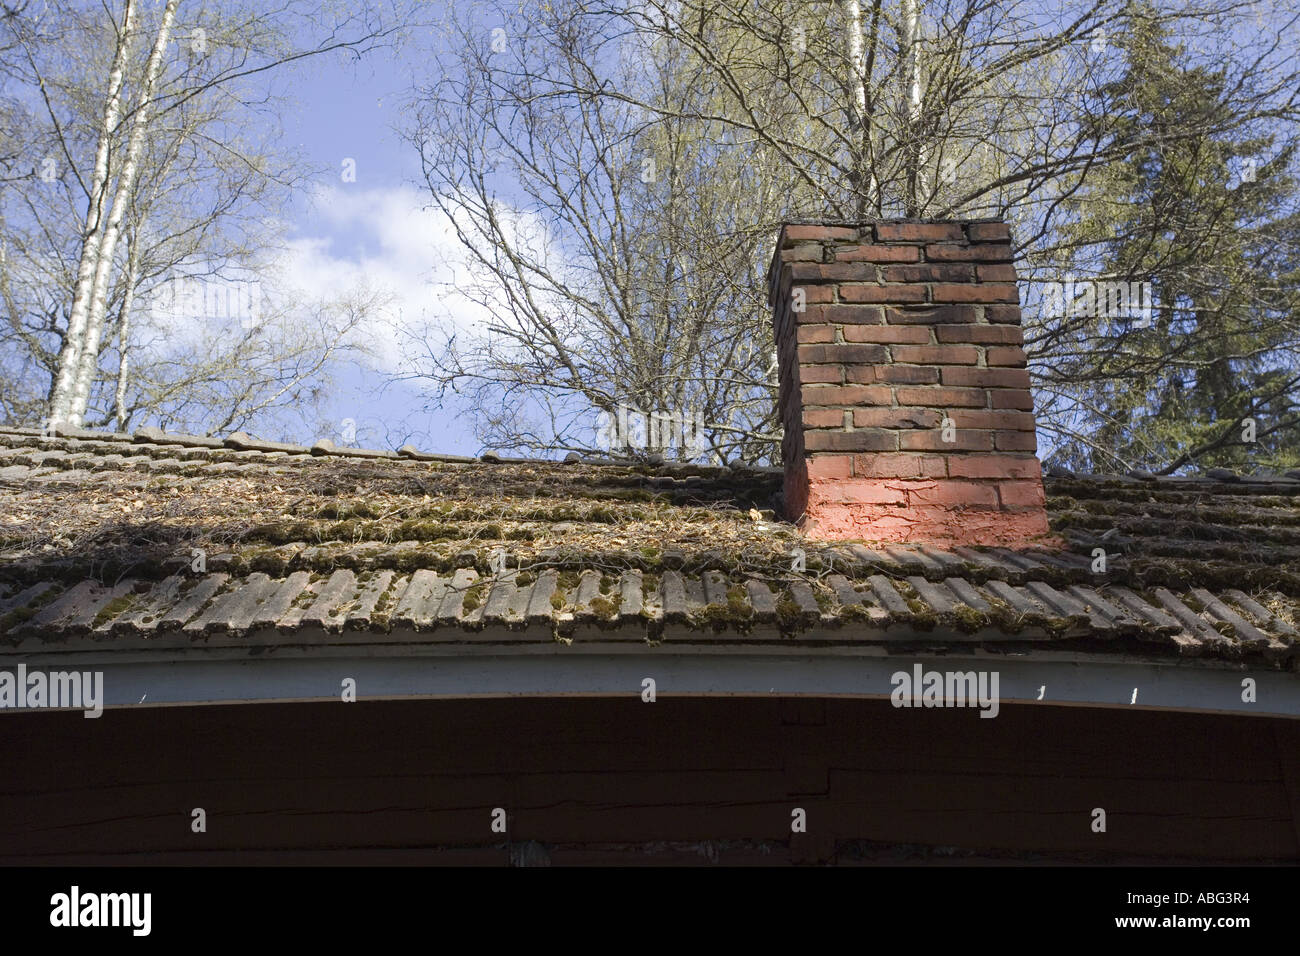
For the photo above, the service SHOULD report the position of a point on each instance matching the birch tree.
(1012, 109)
(156, 124)
(92, 232)
(77, 369)
(619, 256)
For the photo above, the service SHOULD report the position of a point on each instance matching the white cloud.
(383, 240)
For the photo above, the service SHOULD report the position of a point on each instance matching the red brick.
(941, 525)
(817, 374)
(1004, 314)
(934, 315)
(936, 354)
(817, 233)
(835, 272)
(887, 466)
(895, 418)
(911, 335)
(982, 334)
(875, 440)
(993, 252)
(878, 254)
(1022, 494)
(812, 294)
(998, 273)
(846, 354)
(844, 314)
(934, 466)
(899, 466)
(917, 231)
(993, 292)
(865, 492)
(943, 397)
(804, 252)
(894, 374)
(967, 439)
(1015, 441)
(816, 333)
(1012, 398)
(883, 293)
(954, 494)
(931, 273)
(871, 375)
(982, 377)
(1011, 421)
(823, 418)
(1012, 357)
(849, 395)
(829, 467)
(994, 466)
(989, 232)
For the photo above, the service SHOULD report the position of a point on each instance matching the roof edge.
(740, 672)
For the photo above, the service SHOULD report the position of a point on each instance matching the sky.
(375, 230)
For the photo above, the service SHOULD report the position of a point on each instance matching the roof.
(151, 540)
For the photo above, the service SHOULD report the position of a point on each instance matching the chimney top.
(903, 389)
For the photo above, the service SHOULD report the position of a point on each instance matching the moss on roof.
(106, 510)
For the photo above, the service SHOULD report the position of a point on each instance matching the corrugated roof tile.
(375, 540)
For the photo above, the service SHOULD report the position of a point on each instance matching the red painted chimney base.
(827, 518)
(836, 504)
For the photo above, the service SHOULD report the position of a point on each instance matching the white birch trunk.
(857, 52)
(124, 337)
(74, 341)
(88, 362)
(915, 152)
(857, 55)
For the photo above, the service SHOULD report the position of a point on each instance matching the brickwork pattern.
(903, 391)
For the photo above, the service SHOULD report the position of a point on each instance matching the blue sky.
(374, 229)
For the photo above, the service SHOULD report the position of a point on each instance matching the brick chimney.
(904, 393)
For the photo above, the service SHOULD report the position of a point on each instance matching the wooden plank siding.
(592, 780)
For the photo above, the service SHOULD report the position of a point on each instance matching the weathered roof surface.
(163, 541)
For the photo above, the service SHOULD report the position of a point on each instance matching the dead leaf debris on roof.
(153, 540)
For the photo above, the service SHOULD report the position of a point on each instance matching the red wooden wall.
(679, 780)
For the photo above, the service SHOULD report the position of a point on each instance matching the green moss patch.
(114, 608)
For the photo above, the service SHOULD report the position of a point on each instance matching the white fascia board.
(450, 671)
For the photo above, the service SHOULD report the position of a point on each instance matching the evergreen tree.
(1205, 210)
